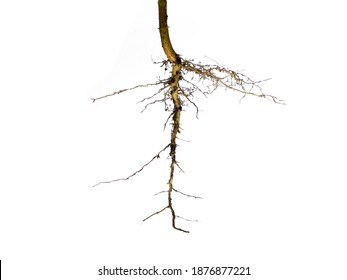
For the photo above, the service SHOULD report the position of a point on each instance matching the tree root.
(186, 79)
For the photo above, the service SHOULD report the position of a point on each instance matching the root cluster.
(187, 79)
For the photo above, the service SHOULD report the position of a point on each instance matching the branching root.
(186, 79)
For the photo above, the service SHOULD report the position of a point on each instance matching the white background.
(273, 177)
